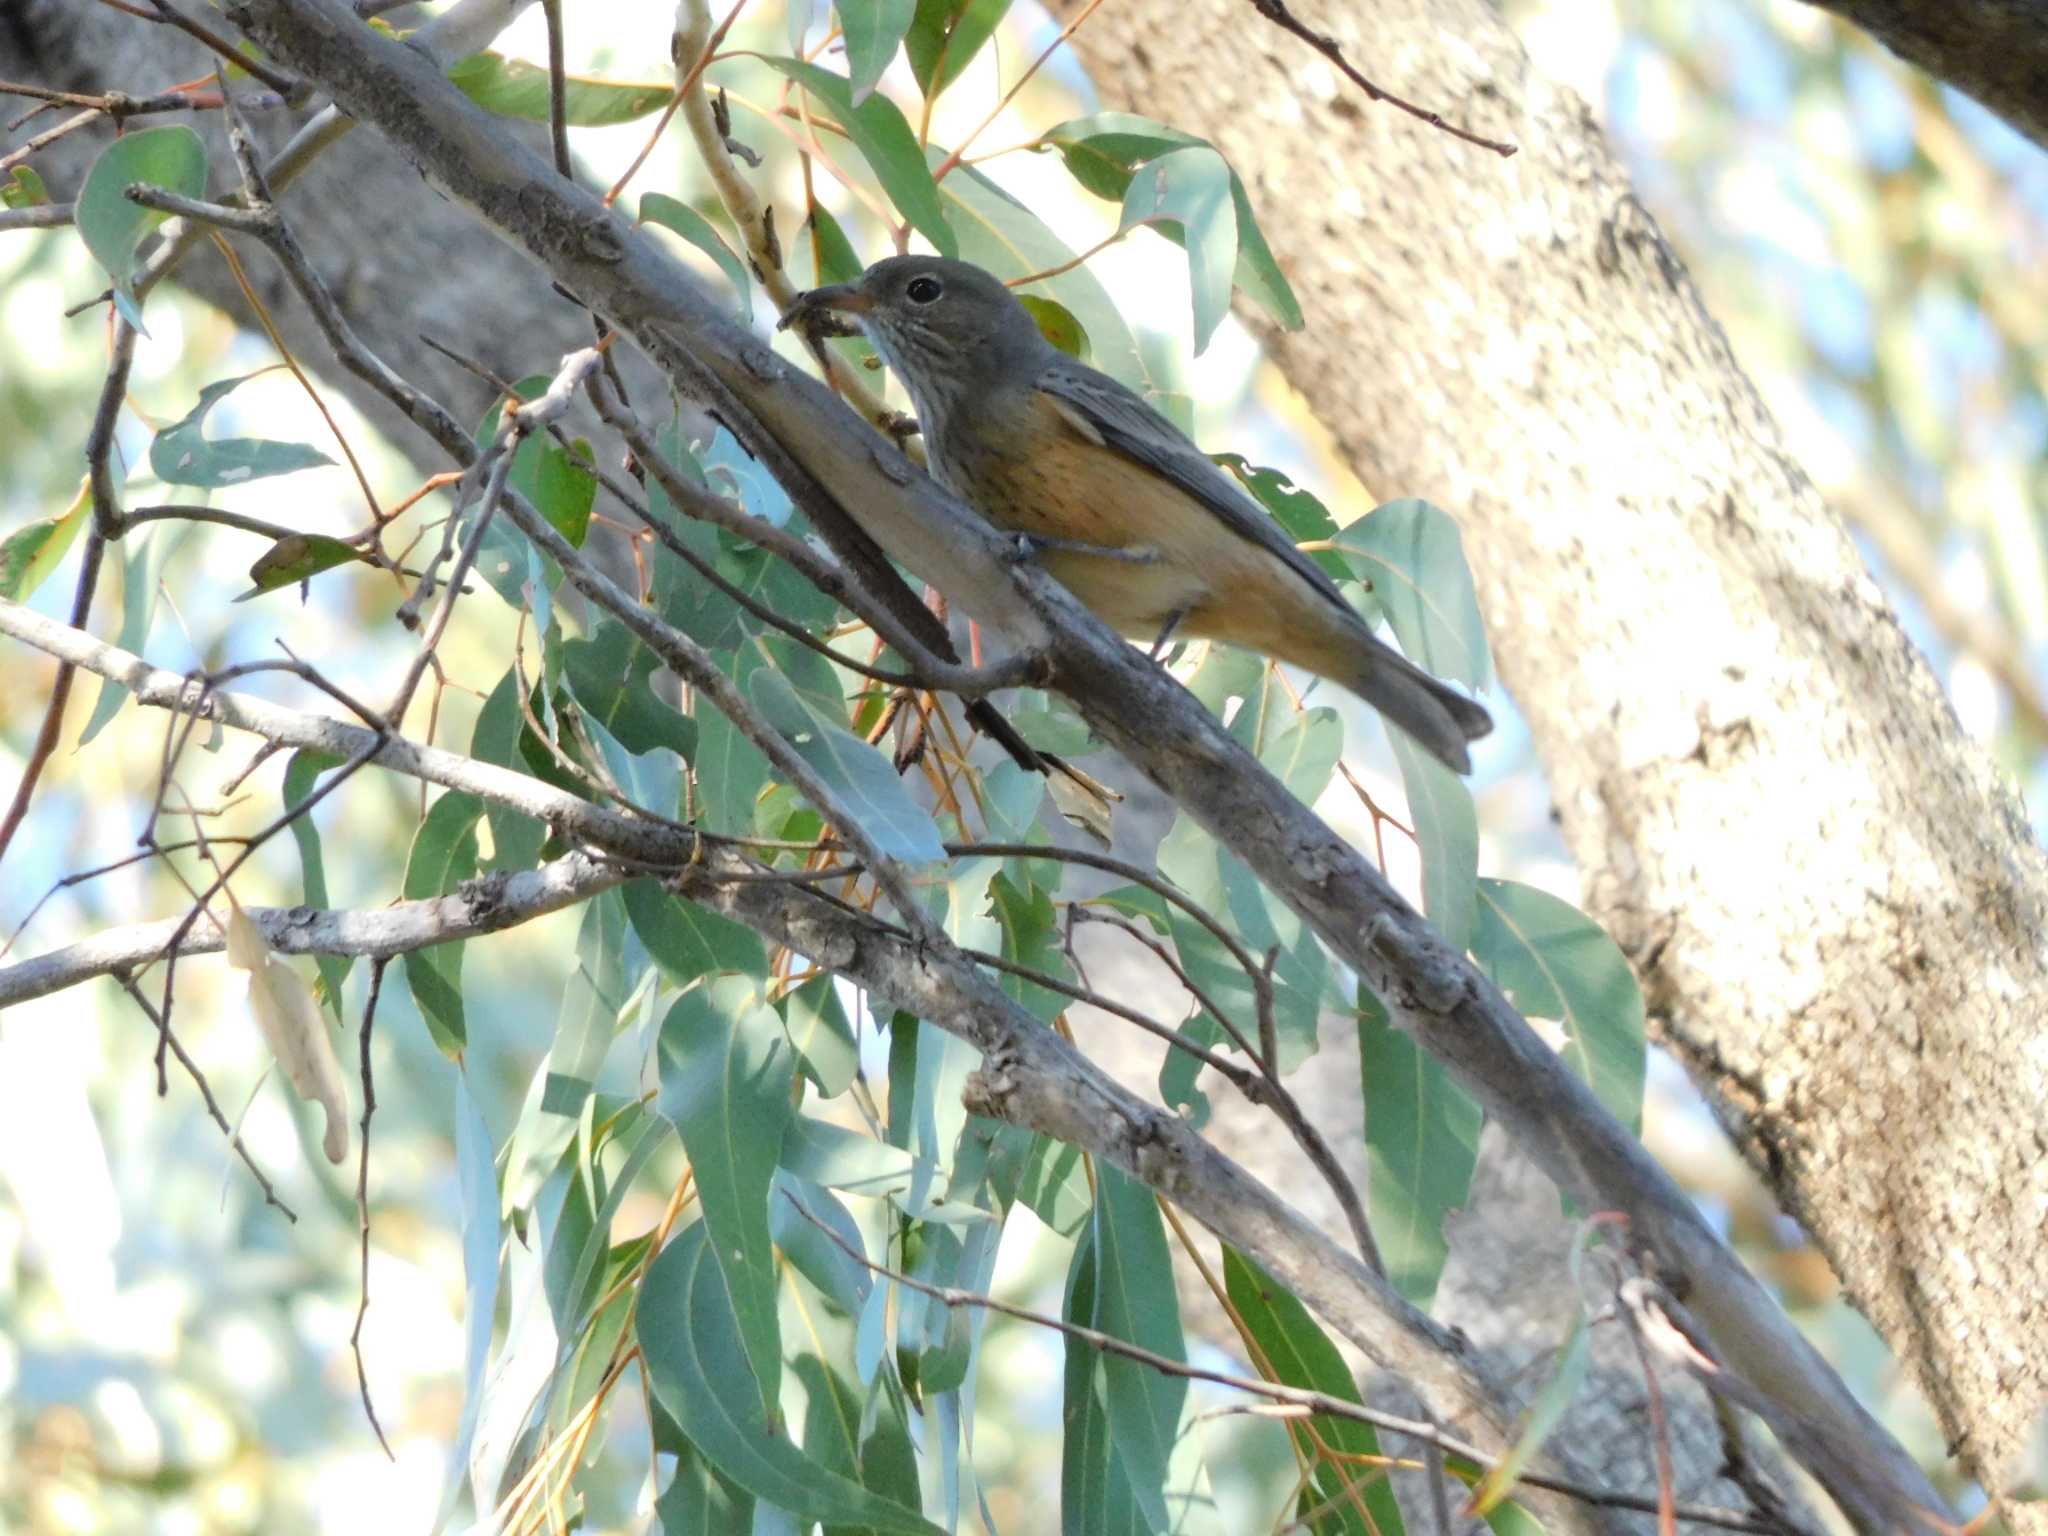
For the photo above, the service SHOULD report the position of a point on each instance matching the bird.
(1115, 501)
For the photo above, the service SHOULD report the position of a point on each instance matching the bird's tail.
(1435, 716)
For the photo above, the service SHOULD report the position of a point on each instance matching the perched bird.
(1122, 509)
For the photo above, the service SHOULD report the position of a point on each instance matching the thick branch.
(1994, 50)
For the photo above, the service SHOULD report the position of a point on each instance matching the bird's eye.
(924, 290)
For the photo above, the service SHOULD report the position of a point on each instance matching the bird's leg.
(1166, 632)
(1033, 544)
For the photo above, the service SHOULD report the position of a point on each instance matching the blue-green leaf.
(1191, 187)
(680, 218)
(443, 855)
(872, 29)
(725, 1082)
(182, 454)
(1135, 1301)
(477, 1178)
(1422, 1143)
(1411, 553)
(300, 775)
(144, 553)
(687, 940)
(1448, 830)
(113, 228)
(1103, 151)
(1555, 962)
(885, 141)
(1000, 233)
(867, 787)
(690, 1343)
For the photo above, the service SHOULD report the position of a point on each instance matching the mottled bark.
(1834, 901)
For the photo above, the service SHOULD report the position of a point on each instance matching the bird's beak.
(839, 299)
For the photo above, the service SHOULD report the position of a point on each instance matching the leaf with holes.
(182, 454)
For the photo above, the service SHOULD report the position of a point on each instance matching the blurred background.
(174, 1356)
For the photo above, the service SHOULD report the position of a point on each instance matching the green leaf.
(726, 1075)
(24, 189)
(1410, 552)
(872, 29)
(443, 855)
(586, 1022)
(300, 773)
(690, 1344)
(1135, 1301)
(611, 674)
(1304, 754)
(144, 554)
(1448, 830)
(866, 786)
(1554, 962)
(686, 940)
(1056, 323)
(885, 141)
(1422, 1143)
(1103, 151)
(476, 1178)
(182, 454)
(1305, 519)
(516, 838)
(816, 1023)
(1548, 1409)
(945, 36)
(837, 1158)
(680, 218)
(1191, 187)
(1096, 1498)
(565, 488)
(515, 88)
(113, 228)
(30, 553)
(298, 557)
(1298, 1353)
(1001, 234)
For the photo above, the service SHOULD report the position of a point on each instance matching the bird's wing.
(1103, 409)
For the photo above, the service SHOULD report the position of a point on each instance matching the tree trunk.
(1834, 903)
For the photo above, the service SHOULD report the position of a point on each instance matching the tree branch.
(831, 463)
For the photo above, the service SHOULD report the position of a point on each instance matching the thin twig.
(1276, 12)
(191, 1067)
(1305, 1398)
(355, 1338)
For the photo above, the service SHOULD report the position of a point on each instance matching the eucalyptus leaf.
(114, 228)
(866, 786)
(443, 855)
(515, 88)
(680, 218)
(1554, 962)
(182, 454)
(725, 1084)
(884, 139)
(1411, 553)
(690, 1345)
